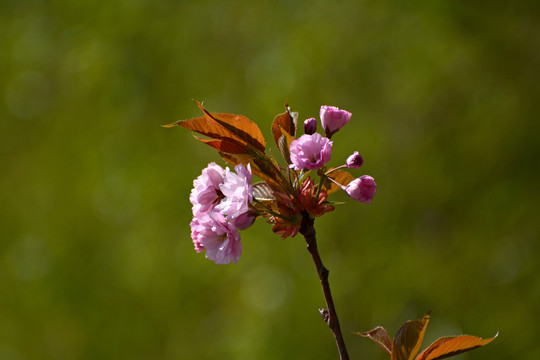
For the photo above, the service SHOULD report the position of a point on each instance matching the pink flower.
(206, 192)
(333, 119)
(362, 189)
(210, 231)
(310, 126)
(354, 161)
(310, 152)
(237, 190)
(195, 227)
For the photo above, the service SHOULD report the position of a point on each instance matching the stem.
(334, 169)
(308, 230)
(323, 176)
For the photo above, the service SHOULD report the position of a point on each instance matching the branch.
(308, 230)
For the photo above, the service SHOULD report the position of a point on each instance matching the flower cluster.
(226, 201)
(290, 197)
(221, 200)
(312, 151)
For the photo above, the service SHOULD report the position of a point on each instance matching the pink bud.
(245, 220)
(362, 189)
(333, 119)
(354, 161)
(310, 126)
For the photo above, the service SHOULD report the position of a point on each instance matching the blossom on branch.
(310, 126)
(237, 191)
(206, 192)
(310, 152)
(333, 119)
(226, 201)
(212, 232)
(221, 200)
(362, 189)
(354, 161)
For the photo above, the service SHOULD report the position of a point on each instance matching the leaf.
(451, 346)
(286, 122)
(284, 149)
(340, 176)
(235, 159)
(226, 146)
(262, 191)
(409, 339)
(242, 127)
(210, 128)
(380, 337)
(272, 173)
(231, 128)
(284, 145)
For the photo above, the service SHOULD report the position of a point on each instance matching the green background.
(96, 260)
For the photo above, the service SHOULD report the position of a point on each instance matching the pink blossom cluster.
(221, 202)
(223, 199)
(311, 151)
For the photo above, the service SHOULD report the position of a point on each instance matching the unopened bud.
(245, 220)
(354, 161)
(333, 119)
(362, 189)
(310, 126)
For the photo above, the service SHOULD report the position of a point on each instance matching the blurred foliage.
(96, 260)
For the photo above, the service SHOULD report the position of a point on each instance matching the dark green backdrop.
(96, 260)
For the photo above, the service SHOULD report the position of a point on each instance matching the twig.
(308, 230)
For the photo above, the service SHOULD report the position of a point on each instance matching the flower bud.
(310, 126)
(362, 189)
(333, 119)
(354, 161)
(245, 220)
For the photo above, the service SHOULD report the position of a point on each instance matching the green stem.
(334, 169)
(323, 176)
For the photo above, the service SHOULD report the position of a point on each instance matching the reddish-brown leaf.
(340, 176)
(380, 337)
(206, 127)
(235, 159)
(231, 128)
(240, 126)
(409, 339)
(452, 345)
(227, 146)
(285, 122)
